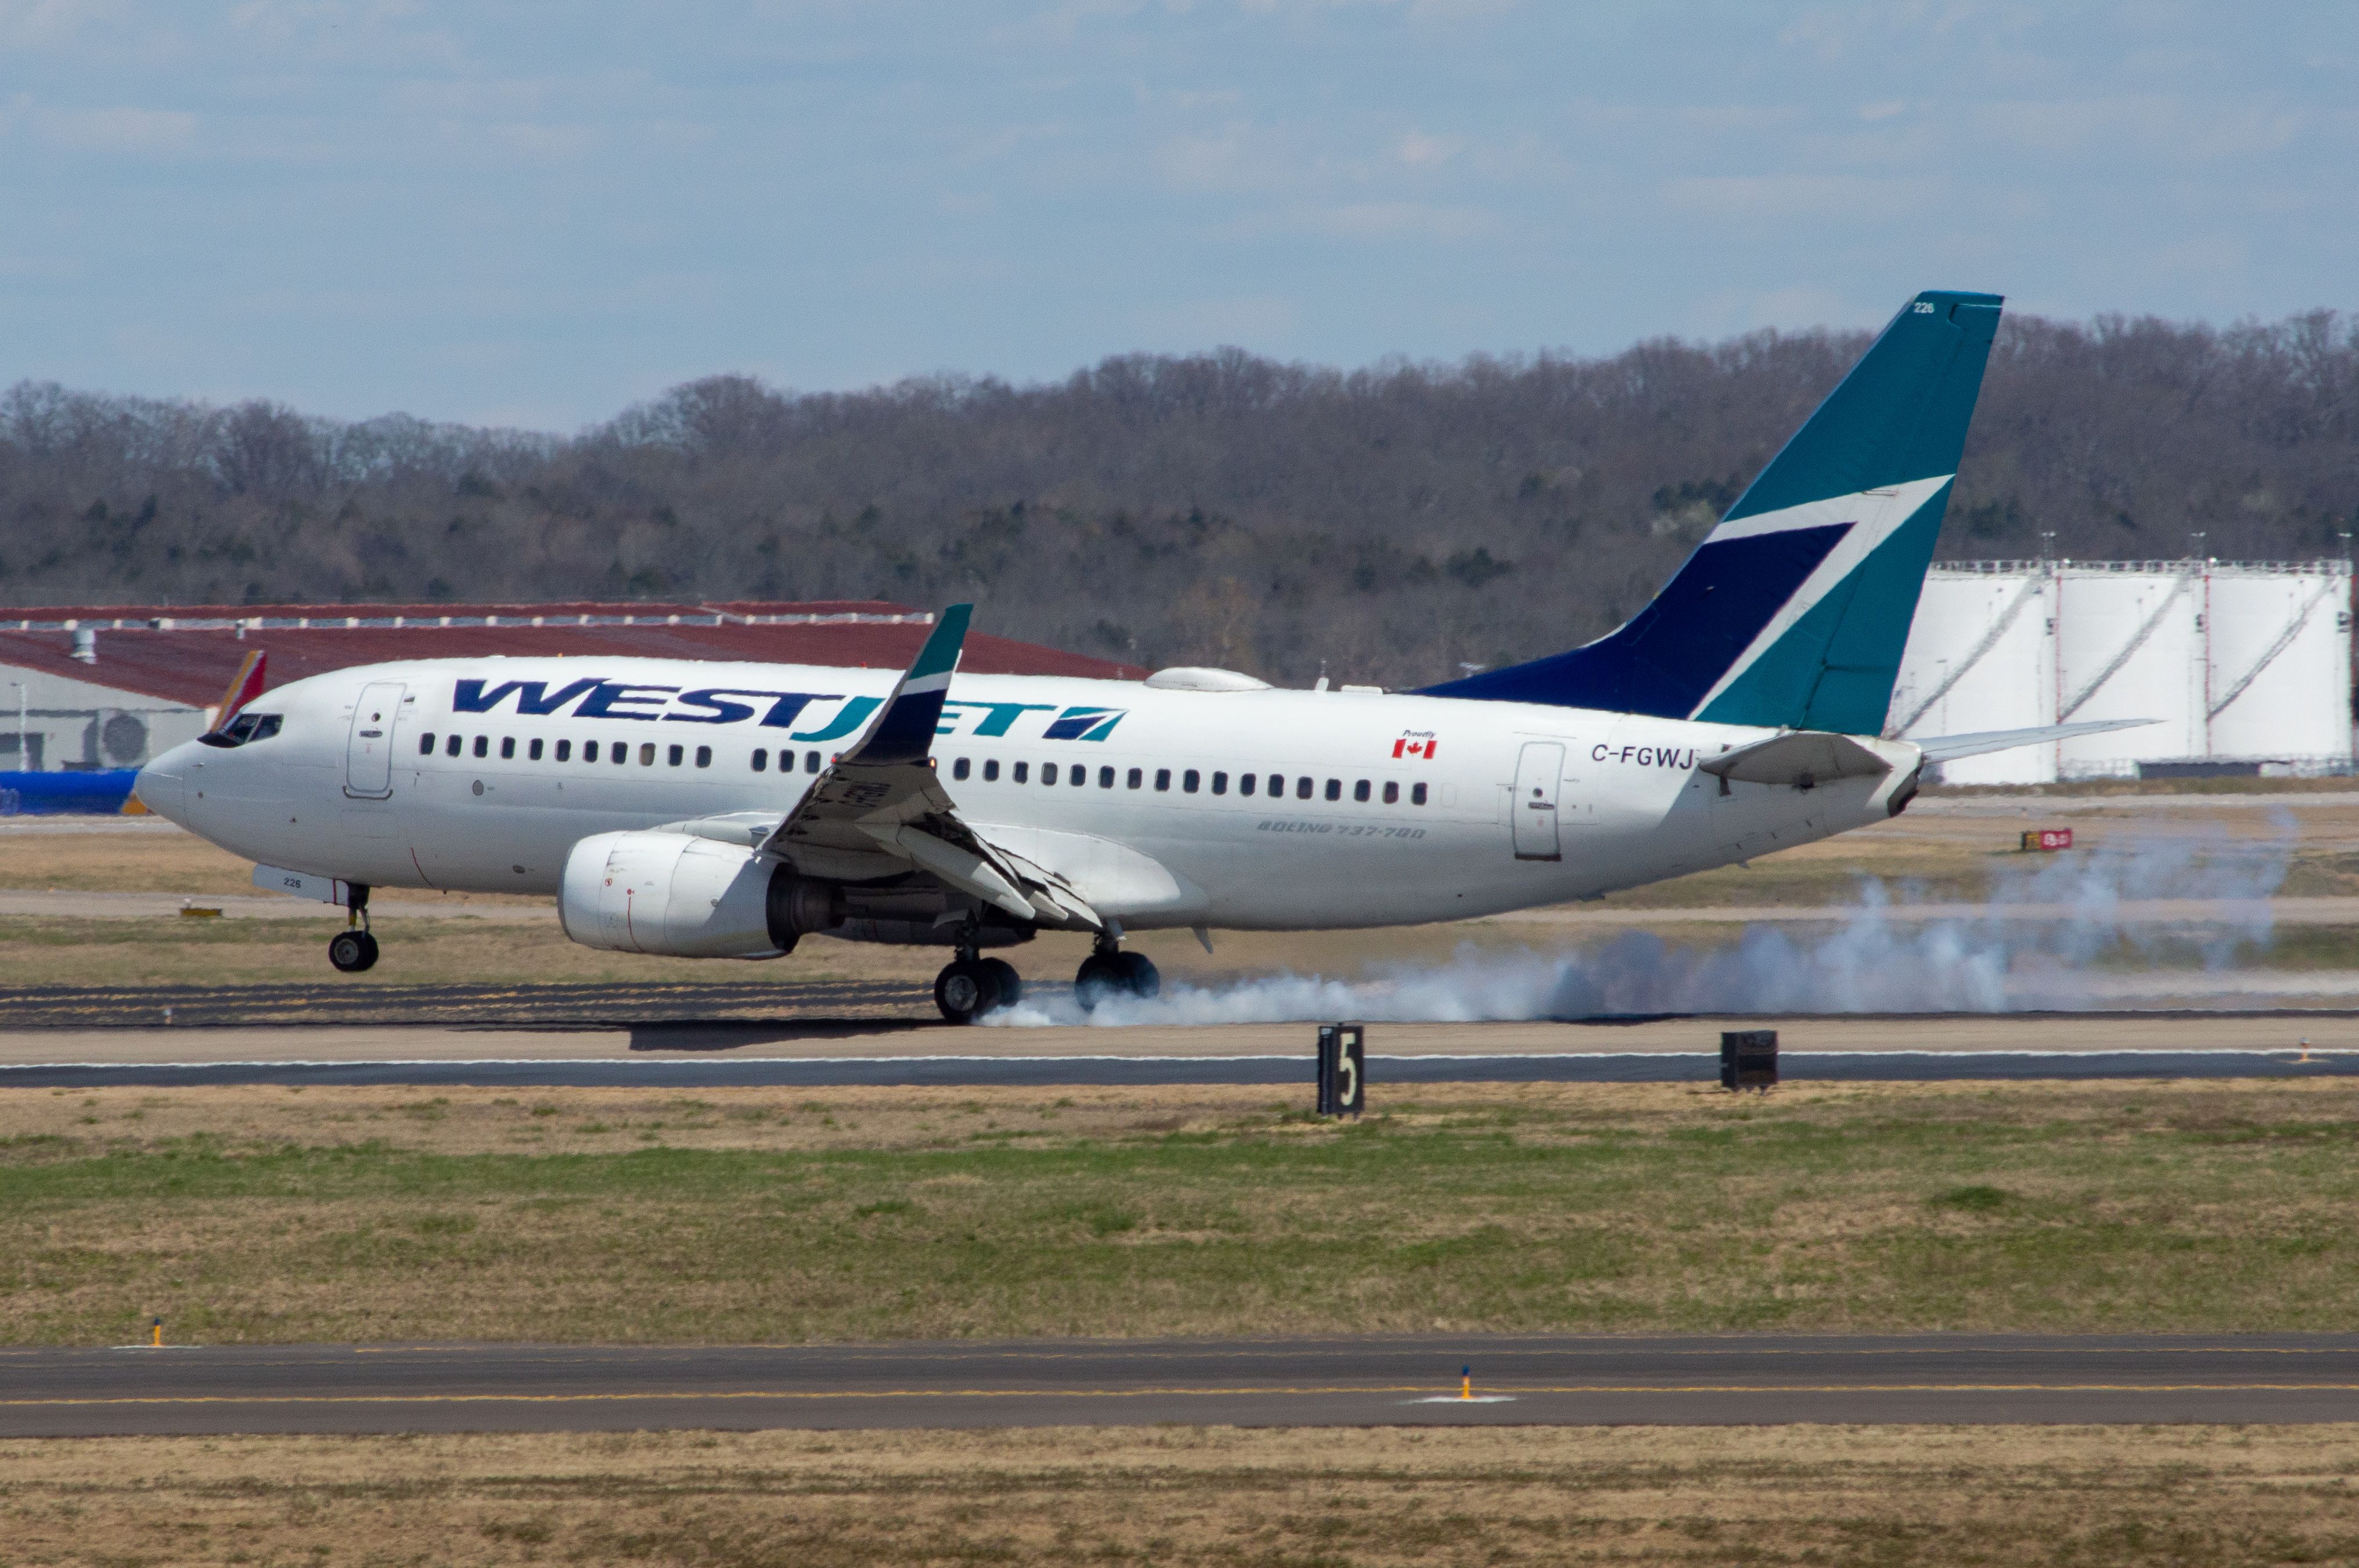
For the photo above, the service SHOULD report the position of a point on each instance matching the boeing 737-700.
(727, 810)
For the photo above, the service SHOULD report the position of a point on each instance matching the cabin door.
(368, 754)
(1539, 773)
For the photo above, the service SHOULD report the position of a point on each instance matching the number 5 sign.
(1342, 1070)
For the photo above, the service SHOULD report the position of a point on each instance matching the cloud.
(1260, 320)
(1398, 220)
(117, 130)
(1797, 195)
(1420, 151)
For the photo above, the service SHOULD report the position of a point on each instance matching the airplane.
(726, 810)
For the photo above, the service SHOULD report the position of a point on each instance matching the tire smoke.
(2032, 945)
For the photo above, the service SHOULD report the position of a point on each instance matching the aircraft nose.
(162, 787)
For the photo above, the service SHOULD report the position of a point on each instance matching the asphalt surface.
(963, 1072)
(1590, 1380)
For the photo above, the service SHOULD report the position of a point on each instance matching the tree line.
(1393, 524)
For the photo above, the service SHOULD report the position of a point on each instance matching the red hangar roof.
(187, 654)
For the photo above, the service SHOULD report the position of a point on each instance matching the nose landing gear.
(352, 949)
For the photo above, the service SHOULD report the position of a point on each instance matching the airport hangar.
(103, 689)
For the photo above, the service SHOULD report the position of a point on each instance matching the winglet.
(244, 688)
(904, 732)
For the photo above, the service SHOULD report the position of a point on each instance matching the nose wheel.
(970, 986)
(352, 949)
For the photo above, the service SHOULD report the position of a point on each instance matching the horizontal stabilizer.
(1802, 759)
(1948, 749)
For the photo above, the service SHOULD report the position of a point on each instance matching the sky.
(536, 214)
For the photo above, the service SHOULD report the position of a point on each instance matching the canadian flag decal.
(1423, 745)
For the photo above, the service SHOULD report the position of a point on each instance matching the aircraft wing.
(880, 810)
(1947, 749)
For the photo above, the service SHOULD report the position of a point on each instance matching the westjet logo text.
(594, 697)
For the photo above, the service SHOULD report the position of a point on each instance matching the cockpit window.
(244, 728)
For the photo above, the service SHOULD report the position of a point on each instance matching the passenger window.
(1335, 789)
(1392, 792)
(507, 748)
(1220, 783)
(1302, 787)
(1246, 783)
(1081, 774)
(1163, 779)
(1278, 785)
(564, 750)
(1417, 794)
(1188, 780)
(426, 744)
(621, 752)
(589, 751)
(761, 761)
(959, 768)
(1136, 778)
(1020, 772)
(483, 745)
(1105, 778)
(1048, 773)
(1360, 791)
(811, 763)
(533, 751)
(450, 746)
(704, 756)
(675, 754)
(991, 770)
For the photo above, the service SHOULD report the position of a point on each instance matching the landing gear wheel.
(965, 990)
(1010, 984)
(1139, 977)
(1104, 975)
(352, 951)
(1100, 977)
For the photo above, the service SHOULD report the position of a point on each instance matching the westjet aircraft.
(724, 810)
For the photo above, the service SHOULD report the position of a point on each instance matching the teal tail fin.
(1794, 611)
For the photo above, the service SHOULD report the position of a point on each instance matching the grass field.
(1837, 1496)
(337, 1215)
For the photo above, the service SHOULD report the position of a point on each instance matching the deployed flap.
(880, 810)
(1948, 749)
(1803, 758)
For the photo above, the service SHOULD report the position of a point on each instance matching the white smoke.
(2032, 945)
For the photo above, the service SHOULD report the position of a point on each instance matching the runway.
(1569, 1381)
(1142, 1072)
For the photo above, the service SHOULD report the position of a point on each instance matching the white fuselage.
(1471, 808)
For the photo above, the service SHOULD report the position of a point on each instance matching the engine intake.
(689, 897)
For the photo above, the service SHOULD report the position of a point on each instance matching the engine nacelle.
(689, 897)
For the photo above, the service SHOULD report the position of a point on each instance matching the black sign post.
(1748, 1059)
(1342, 1070)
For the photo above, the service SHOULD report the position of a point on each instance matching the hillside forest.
(1392, 525)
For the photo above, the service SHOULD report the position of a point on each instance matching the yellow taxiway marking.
(1521, 1388)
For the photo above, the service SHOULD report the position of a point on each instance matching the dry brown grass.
(1996, 1496)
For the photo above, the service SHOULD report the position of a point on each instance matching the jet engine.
(689, 897)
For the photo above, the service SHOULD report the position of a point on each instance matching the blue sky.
(536, 214)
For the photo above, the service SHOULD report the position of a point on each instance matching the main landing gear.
(352, 949)
(1110, 972)
(970, 986)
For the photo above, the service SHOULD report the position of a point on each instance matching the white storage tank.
(2280, 671)
(1981, 656)
(2129, 645)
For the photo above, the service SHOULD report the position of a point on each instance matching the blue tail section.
(1793, 612)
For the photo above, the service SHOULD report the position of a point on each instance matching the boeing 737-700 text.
(725, 811)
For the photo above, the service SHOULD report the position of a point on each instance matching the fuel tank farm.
(2243, 666)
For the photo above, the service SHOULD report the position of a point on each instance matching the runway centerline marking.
(814, 1394)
